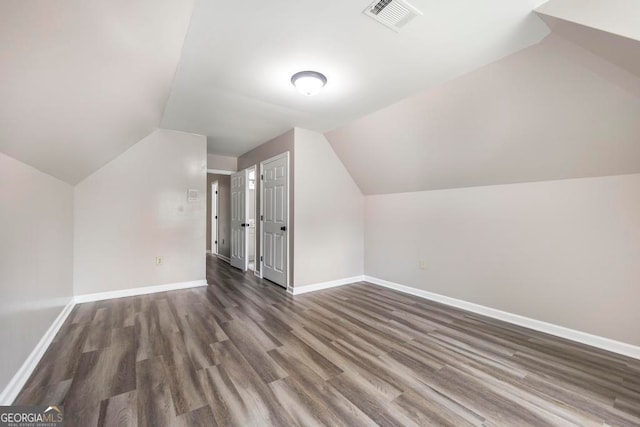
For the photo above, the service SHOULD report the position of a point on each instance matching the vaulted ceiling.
(551, 111)
(568, 107)
(498, 99)
(82, 81)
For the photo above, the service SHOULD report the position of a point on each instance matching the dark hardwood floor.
(243, 352)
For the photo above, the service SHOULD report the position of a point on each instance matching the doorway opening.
(218, 214)
(262, 245)
(244, 253)
(251, 218)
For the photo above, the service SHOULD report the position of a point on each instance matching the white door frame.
(259, 178)
(214, 217)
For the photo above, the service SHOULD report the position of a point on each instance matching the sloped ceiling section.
(233, 83)
(620, 17)
(82, 81)
(551, 111)
(617, 42)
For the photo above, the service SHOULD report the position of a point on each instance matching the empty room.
(304, 213)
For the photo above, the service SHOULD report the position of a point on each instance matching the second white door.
(239, 220)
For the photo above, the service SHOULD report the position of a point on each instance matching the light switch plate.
(193, 195)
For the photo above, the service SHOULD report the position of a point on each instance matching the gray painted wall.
(565, 252)
(278, 145)
(329, 214)
(36, 258)
(224, 212)
(135, 208)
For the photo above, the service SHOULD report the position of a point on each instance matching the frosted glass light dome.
(309, 82)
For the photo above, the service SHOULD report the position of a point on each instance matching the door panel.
(279, 255)
(280, 205)
(268, 205)
(268, 255)
(275, 197)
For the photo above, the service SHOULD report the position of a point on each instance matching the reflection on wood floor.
(243, 352)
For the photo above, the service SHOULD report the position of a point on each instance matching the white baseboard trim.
(138, 291)
(537, 325)
(297, 290)
(224, 258)
(18, 381)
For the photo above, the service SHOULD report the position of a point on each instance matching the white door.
(214, 217)
(275, 218)
(238, 220)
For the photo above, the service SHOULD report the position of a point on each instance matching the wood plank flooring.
(242, 352)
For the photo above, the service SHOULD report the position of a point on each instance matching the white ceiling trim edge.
(220, 172)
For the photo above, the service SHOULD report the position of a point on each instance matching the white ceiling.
(232, 83)
(552, 111)
(82, 81)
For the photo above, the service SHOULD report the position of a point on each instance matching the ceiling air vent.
(393, 14)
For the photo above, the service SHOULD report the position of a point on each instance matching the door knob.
(283, 228)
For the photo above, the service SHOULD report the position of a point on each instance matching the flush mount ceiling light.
(308, 82)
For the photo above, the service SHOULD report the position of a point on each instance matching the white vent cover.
(393, 14)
